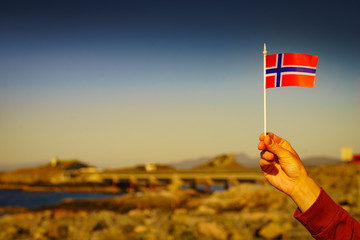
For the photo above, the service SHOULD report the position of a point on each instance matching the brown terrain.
(244, 211)
(54, 176)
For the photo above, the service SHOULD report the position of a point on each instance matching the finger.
(262, 146)
(273, 136)
(276, 138)
(264, 165)
(261, 137)
(268, 156)
(282, 142)
(273, 146)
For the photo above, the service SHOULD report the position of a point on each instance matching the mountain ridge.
(253, 162)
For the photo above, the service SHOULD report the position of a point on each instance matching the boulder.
(274, 230)
(211, 229)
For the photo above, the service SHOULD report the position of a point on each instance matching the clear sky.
(118, 83)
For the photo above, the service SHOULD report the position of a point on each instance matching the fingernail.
(271, 141)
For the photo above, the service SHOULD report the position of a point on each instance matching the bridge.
(130, 180)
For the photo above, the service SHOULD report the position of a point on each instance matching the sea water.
(34, 200)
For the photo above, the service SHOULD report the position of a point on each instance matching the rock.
(128, 228)
(100, 226)
(140, 229)
(63, 231)
(8, 232)
(205, 210)
(271, 230)
(62, 213)
(40, 233)
(243, 212)
(136, 213)
(7, 210)
(23, 232)
(297, 234)
(188, 235)
(180, 211)
(212, 229)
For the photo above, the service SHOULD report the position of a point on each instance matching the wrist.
(305, 193)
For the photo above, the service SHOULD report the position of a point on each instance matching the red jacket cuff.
(318, 216)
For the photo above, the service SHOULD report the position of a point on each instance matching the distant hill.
(9, 166)
(44, 173)
(242, 159)
(321, 161)
(189, 163)
(246, 161)
(249, 162)
(224, 162)
(149, 167)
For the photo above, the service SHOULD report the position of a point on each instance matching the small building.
(55, 162)
(153, 167)
(356, 159)
(70, 170)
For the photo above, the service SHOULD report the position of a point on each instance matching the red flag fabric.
(290, 69)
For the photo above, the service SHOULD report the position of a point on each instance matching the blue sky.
(118, 83)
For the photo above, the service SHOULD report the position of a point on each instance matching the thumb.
(274, 147)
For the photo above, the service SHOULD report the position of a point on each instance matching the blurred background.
(118, 83)
(163, 100)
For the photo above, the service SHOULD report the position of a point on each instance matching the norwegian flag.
(290, 69)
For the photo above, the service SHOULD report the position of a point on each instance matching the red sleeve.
(327, 220)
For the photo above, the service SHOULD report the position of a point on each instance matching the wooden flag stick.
(264, 53)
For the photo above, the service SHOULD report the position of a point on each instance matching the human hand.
(283, 168)
(280, 163)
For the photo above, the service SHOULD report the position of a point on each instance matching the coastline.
(61, 188)
(244, 211)
(241, 212)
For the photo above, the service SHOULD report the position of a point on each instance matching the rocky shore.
(246, 211)
(243, 212)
